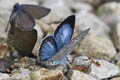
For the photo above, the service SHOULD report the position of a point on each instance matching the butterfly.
(24, 15)
(55, 49)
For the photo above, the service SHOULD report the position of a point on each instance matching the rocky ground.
(96, 58)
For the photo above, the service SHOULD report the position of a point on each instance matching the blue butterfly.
(55, 49)
(24, 15)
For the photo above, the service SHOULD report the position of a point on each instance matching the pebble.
(59, 10)
(82, 6)
(78, 75)
(104, 70)
(85, 20)
(117, 78)
(96, 47)
(3, 76)
(109, 13)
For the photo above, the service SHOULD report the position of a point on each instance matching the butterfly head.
(17, 7)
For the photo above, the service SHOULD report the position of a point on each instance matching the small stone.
(85, 20)
(96, 47)
(109, 13)
(45, 27)
(24, 62)
(81, 68)
(105, 70)
(81, 63)
(3, 51)
(59, 8)
(40, 34)
(35, 75)
(70, 58)
(21, 77)
(117, 78)
(45, 74)
(5, 64)
(78, 75)
(24, 71)
(82, 6)
(3, 76)
(21, 74)
(11, 79)
(81, 60)
(94, 3)
(118, 63)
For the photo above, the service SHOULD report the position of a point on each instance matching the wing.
(36, 11)
(64, 52)
(64, 32)
(48, 48)
(24, 21)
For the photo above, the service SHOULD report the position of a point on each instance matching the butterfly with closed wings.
(55, 49)
(24, 15)
(21, 34)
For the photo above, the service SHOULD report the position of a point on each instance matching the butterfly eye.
(16, 7)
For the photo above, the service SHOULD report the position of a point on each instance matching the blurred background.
(102, 16)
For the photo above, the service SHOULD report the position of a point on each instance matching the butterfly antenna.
(11, 18)
(6, 29)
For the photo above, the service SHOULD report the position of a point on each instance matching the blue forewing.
(24, 15)
(64, 31)
(48, 48)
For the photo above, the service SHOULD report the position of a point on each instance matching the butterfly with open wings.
(55, 49)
